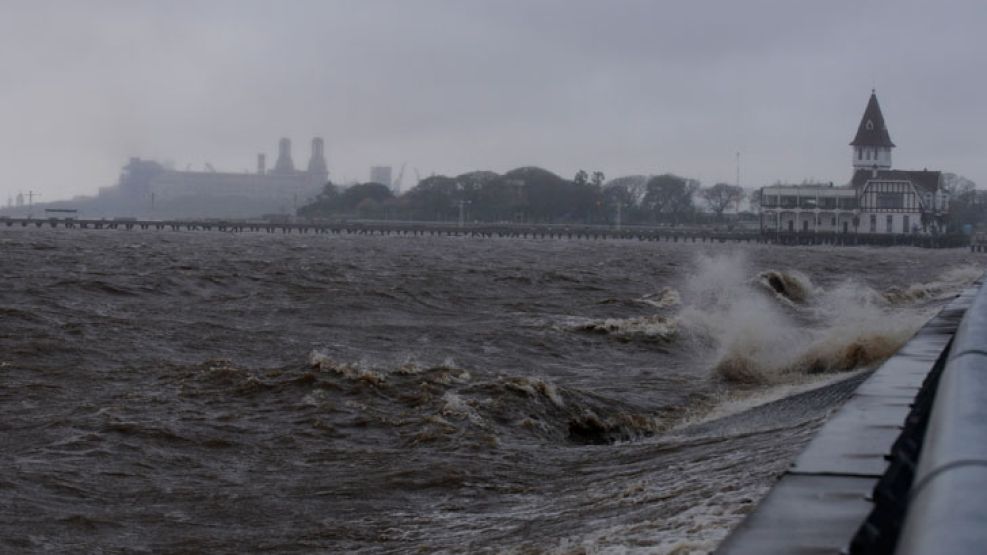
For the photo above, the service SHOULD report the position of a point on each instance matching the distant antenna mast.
(738, 168)
(30, 203)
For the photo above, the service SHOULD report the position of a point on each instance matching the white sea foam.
(754, 341)
(654, 327)
(939, 288)
(665, 298)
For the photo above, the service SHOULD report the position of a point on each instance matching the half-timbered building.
(878, 199)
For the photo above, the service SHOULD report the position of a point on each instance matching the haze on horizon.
(625, 87)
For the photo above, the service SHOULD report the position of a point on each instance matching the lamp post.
(462, 204)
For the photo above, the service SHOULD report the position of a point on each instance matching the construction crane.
(396, 184)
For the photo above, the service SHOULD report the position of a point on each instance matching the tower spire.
(872, 144)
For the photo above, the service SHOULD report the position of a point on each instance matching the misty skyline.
(623, 87)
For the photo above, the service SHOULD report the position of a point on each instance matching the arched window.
(870, 125)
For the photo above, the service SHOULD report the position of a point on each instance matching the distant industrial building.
(151, 189)
(380, 174)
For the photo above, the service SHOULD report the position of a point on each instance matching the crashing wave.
(792, 286)
(835, 352)
(754, 341)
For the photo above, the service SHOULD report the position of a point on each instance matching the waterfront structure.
(878, 199)
(150, 189)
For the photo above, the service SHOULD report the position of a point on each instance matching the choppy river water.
(181, 392)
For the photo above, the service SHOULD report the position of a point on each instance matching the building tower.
(317, 163)
(381, 174)
(284, 164)
(872, 145)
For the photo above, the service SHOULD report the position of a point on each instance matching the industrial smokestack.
(261, 164)
(284, 163)
(317, 163)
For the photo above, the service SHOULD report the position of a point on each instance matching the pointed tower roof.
(872, 130)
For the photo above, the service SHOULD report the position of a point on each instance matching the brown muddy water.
(215, 393)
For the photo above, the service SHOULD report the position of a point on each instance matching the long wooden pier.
(506, 230)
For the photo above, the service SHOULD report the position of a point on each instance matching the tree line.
(534, 195)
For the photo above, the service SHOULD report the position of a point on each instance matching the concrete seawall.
(859, 479)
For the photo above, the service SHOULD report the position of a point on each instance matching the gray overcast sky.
(622, 86)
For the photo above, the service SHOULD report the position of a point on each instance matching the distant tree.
(352, 197)
(435, 198)
(754, 199)
(543, 192)
(965, 204)
(670, 197)
(598, 178)
(721, 196)
(367, 207)
(619, 194)
(957, 185)
(324, 204)
(635, 187)
(493, 200)
(618, 199)
(581, 177)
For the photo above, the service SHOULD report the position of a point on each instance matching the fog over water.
(182, 392)
(627, 87)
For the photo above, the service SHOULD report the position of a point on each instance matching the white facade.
(809, 208)
(869, 157)
(877, 200)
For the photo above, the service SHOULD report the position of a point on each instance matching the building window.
(904, 224)
(890, 223)
(890, 201)
(860, 153)
(873, 223)
(870, 125)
